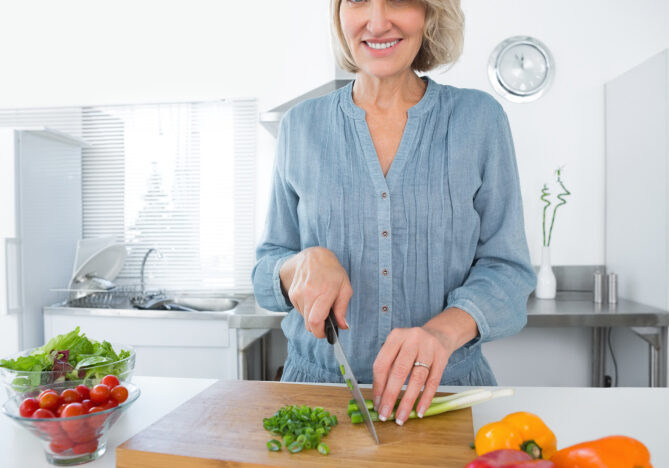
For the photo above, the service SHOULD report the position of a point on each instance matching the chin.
(384, 71)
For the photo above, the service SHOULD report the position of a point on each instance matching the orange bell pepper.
(607, 452)
(518, 431)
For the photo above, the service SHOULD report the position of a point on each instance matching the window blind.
(178, 177)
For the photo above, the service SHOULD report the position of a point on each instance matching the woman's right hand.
(316, 282)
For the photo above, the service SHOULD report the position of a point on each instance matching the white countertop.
(574, 414)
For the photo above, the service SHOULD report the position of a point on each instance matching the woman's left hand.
(399, 356)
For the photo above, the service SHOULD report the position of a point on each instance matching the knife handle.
(331, 330)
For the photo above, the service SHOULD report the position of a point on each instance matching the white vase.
(546, 285)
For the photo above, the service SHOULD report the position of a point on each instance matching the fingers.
(419, 375)
(399, 371)
(383, 363)
(341, 303)
(431, 385)
(319, 284)
(395, 363)
(315, 320)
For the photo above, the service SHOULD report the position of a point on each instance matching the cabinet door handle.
(12, 276)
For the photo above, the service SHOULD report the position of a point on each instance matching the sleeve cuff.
(478, 316)
(282, 300)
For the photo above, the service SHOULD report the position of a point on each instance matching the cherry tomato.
(87, 404)
(42, 413)
(73, 409)
(49, 400)
(111, 403)
(28, 407)
(110, 381)
(48, 390)
(83, 433)
(96, 421)
(83, 391)
(58, 412)
(60, 445)
(119, 393)
(87, 447)
(100, 394)
(70, 395)
(51, 428)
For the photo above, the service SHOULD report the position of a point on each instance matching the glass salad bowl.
(89, 371)
(72, 440)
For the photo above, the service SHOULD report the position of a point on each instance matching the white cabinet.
(170, 347)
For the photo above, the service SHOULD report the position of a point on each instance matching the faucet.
(146, 256)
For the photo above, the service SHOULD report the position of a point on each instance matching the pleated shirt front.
(444, 227)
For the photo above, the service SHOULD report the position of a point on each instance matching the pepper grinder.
(598, 287)
(612, 283)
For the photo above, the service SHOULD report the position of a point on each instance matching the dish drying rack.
(119, 297)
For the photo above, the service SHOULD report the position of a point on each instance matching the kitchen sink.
(187, 302)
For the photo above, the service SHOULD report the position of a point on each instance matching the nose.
(378, 21)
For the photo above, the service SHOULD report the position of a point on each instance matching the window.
(179, 177)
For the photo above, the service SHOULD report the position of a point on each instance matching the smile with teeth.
(381, 45)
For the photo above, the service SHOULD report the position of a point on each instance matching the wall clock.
(521, 69)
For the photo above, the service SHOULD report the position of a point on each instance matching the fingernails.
(383, 415)
(421, 411)
(399, 419)
(348, 327)
(377, 400)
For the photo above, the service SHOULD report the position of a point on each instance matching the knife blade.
(332, 334)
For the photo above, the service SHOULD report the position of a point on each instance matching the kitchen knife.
(332, 332)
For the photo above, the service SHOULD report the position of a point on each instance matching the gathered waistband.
(473, 370)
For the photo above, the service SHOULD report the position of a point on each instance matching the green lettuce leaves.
(70, 356)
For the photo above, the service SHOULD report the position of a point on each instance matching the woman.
(396, 203)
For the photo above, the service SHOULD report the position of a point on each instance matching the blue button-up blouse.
(444, 228)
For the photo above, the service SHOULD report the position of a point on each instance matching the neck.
(397, 92)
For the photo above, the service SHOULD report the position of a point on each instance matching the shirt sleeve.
(501, 277)
(281, 236)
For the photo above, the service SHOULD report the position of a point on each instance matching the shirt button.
(384, 233)
(384, 195)
(384, 308)
(384, 272)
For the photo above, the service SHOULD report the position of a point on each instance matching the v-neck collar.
(381, 182)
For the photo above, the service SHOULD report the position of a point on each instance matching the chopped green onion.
(295, 447)
(323, 449)
(274, 445)
(342, 369)
(300, 427)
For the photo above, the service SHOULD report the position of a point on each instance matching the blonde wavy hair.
(443, 36)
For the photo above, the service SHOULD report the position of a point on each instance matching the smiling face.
(384, 36)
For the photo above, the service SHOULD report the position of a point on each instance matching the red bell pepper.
(506, 458)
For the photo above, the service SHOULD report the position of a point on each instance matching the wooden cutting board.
(223, 427)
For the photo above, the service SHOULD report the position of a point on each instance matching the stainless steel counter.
(575, 309)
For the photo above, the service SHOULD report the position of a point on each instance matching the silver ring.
(422, 364)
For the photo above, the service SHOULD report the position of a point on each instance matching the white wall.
(104, 52)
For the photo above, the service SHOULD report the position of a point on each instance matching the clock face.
(521, 69)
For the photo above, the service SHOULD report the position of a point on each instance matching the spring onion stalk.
(439, 405)
(353, 406)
